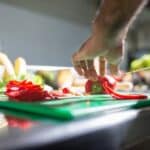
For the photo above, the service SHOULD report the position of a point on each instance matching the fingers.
(86, 69)
(114, 69)
(114, 58)
(78, 69)
(83, 61)
(102, 66)
(91, 72)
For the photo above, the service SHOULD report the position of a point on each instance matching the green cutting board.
(67, 109)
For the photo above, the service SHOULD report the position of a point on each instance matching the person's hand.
(109, 48)
(109, 31)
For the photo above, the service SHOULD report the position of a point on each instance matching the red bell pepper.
(119, 96)
(107, 85)
(93, 87)
(27, 91)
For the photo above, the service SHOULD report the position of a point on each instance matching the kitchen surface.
(46, 104)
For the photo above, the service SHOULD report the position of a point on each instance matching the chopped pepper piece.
(27, 91)
(93, 87)
(120, 96)
(107, 86)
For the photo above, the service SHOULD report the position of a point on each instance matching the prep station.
(46, 33)
(87, 123)
(77, 122)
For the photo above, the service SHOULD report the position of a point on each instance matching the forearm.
(116, 15)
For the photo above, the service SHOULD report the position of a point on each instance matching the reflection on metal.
(3, 125)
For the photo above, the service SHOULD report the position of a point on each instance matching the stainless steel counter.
(118, 130)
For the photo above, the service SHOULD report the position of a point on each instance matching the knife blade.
(138, 70)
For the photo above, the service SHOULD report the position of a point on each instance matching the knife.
(138, 70)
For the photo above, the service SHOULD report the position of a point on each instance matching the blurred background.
(47, 32)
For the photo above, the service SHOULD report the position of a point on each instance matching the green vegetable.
(137, 64)
(146, 60)
(38, 80)
(141, 62)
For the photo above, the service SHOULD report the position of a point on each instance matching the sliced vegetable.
(29, 92)
(108, 88)
(93, 87)
(120, 96)
(106, 85)
(25, 91)
(37, 79)
(66, 90)
(110, 80)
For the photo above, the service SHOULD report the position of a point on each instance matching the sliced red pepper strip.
(27, 91)
(66, 90)
(110, 81)
(116, 95)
